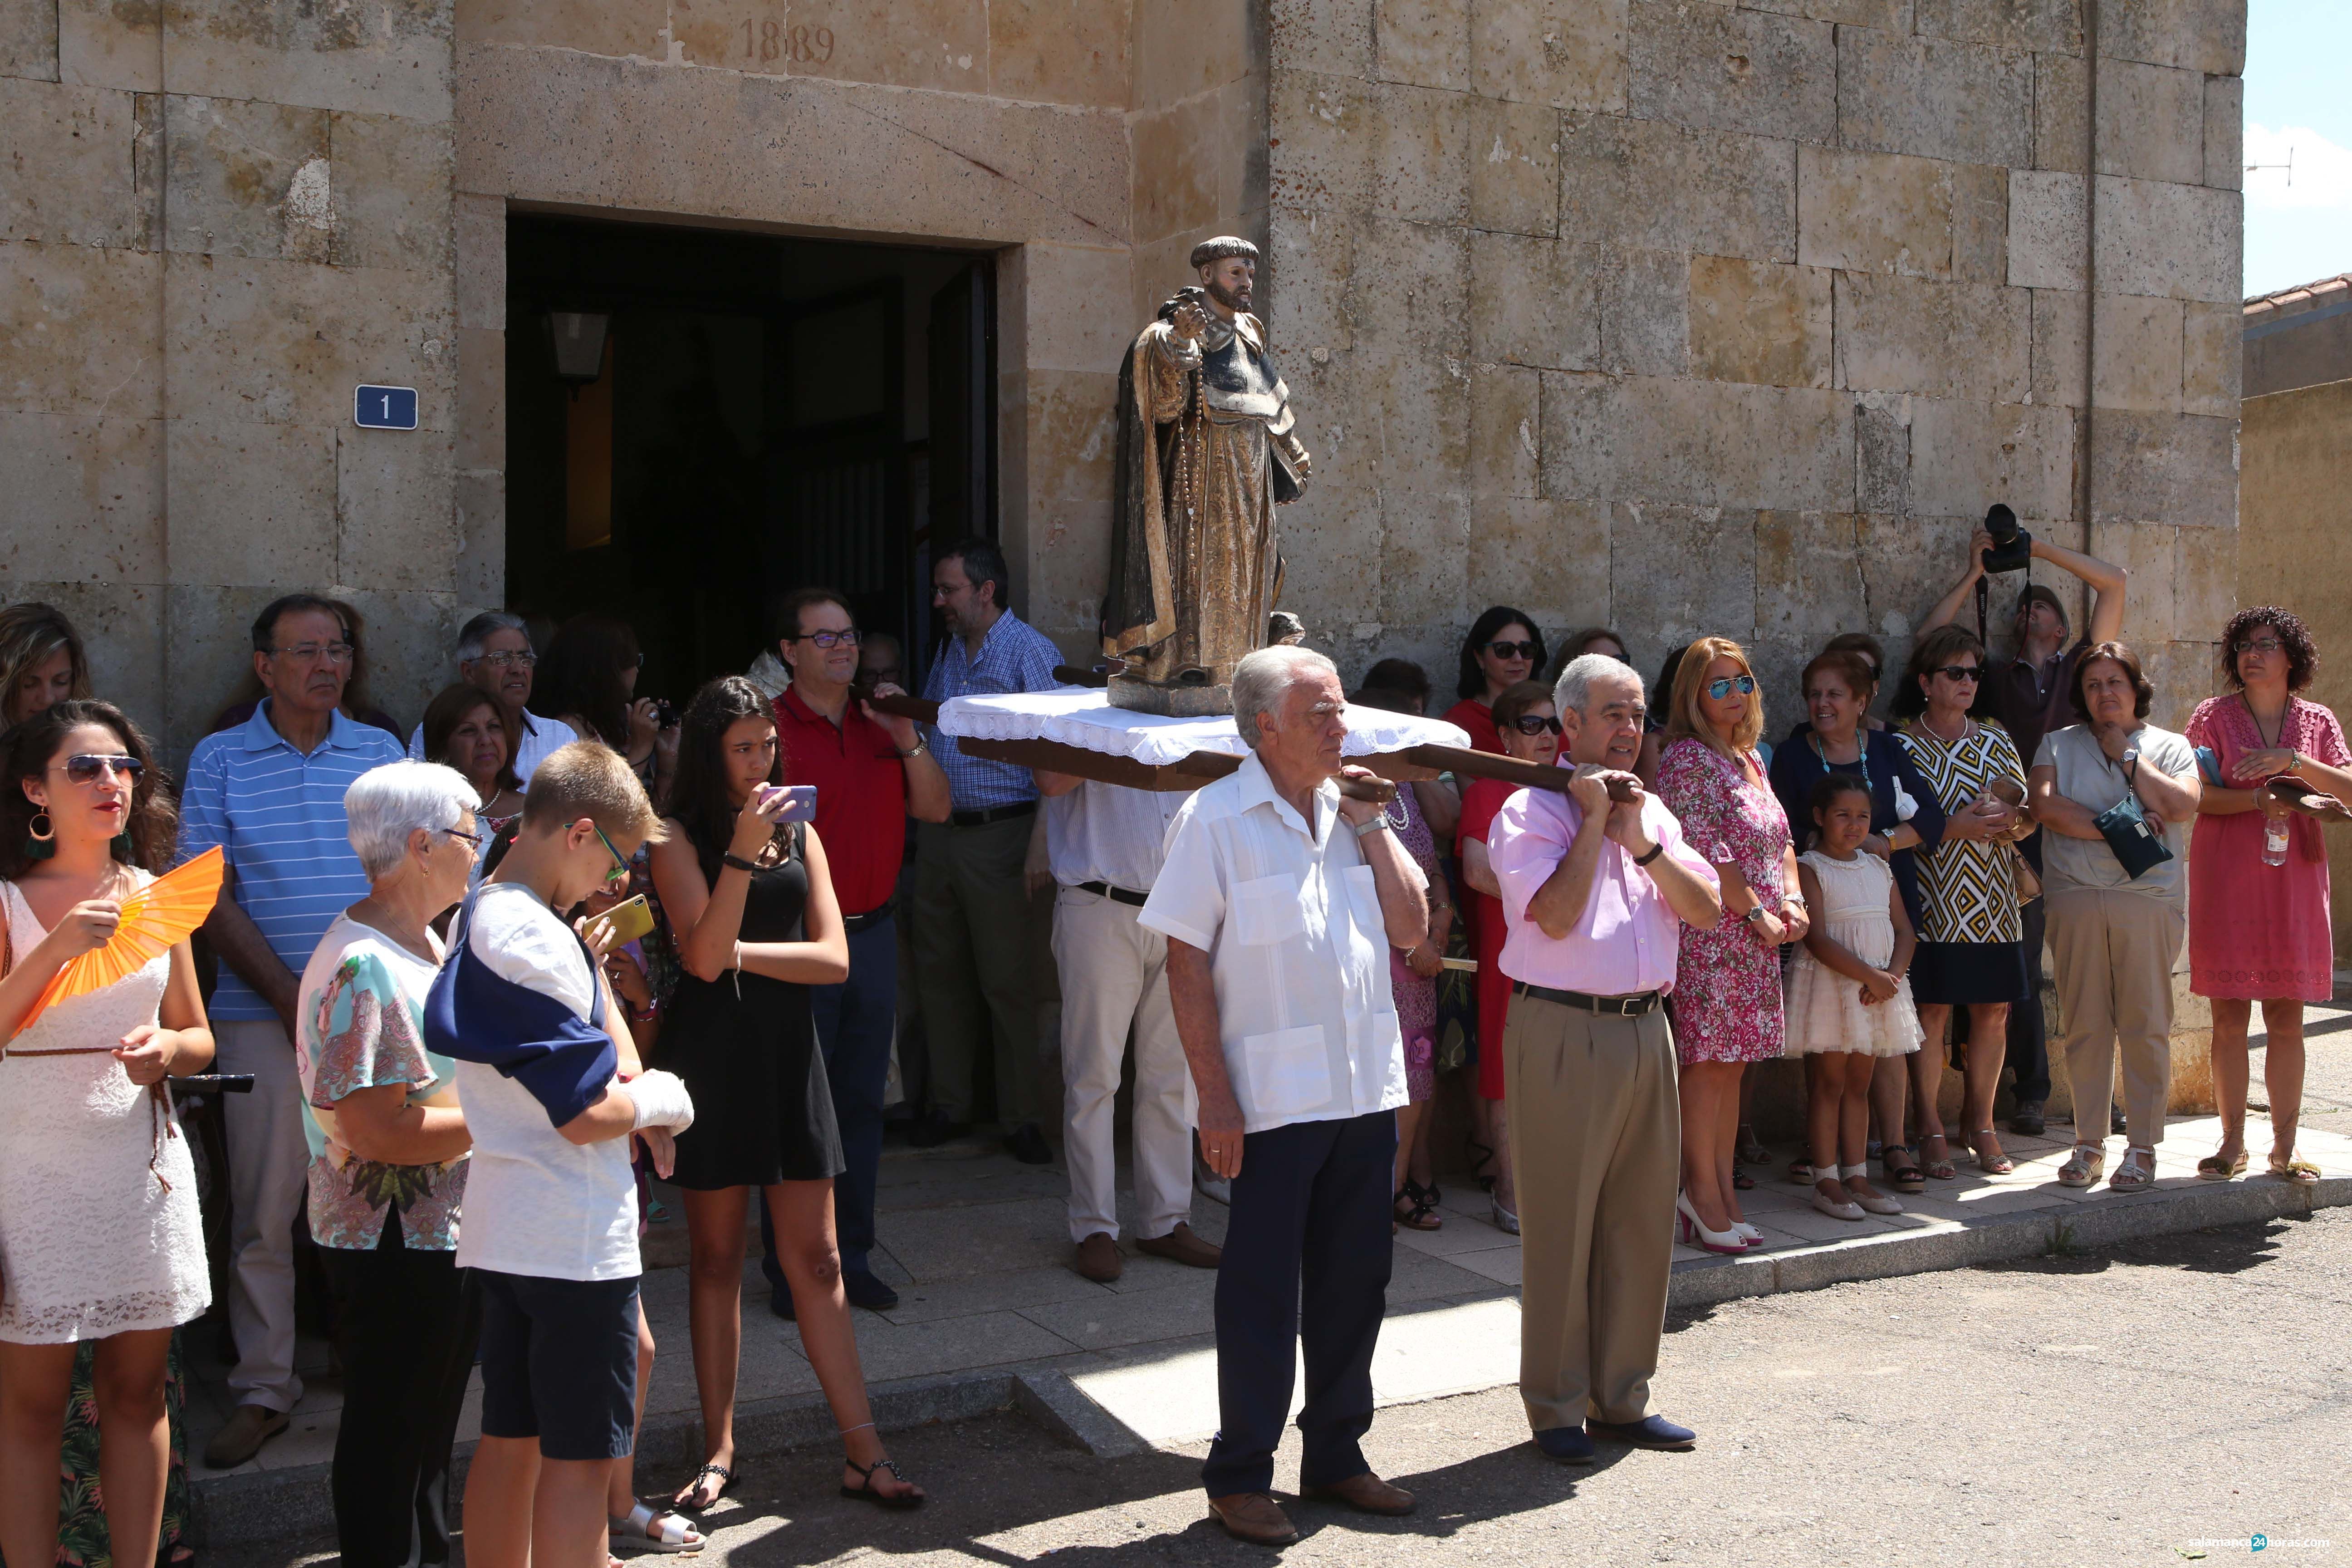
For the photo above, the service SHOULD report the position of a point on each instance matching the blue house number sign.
(384, 408)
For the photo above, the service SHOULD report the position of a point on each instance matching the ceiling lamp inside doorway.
(579, 340)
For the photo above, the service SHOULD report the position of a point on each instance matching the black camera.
(2012, 547)
(665, 716)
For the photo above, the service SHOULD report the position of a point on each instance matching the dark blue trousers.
(2028, 1046)
(1305, 1266)
(853, 1024)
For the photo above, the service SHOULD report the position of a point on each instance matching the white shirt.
(540, 736)
(2086, 777)
(1290, 918)
(1104, 833)
(537, 1204)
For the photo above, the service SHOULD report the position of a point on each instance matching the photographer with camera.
(2030, 693)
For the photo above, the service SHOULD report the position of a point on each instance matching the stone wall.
(1700, 316)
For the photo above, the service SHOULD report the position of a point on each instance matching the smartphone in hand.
(800, 803)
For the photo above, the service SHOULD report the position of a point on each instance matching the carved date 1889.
(771, 40)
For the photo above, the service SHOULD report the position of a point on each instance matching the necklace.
(2270, 742)
(1861, 760)
(1927, 724)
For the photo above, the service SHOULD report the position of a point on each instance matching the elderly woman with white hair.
(388, 1147)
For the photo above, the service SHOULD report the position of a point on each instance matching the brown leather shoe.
(1366, 1493)
(1098, 1258)
(248, 1427)
(1254, 1516)
(1180, 1245)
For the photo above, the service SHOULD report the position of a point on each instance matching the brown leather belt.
(1633, 1006)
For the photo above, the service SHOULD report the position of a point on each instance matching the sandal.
(1480, 1156)
(1856, 1182)
(2302, 1172)
(1943, 1170)
(688, 1499)
(660, 1530)
(2136, 1173)
(1415, 1208)
(1906, 1177)
(2082, 1166)
(865, 1489)
(1748, 1149)
(2214, 1168)
(1801, 1171)
(1996, 1164)
(1741, 1181)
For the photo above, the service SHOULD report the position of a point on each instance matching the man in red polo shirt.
(871, 772)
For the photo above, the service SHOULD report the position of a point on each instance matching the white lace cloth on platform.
(1082, 716)
(91, 1245)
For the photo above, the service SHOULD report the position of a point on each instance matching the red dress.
(1480, 802)
(1477, 720)
(2260, 932)
(1727, 1003)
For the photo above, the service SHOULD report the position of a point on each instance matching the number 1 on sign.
(387, 407)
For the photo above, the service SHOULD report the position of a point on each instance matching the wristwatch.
(1377, 825)
(920, 747)
(1754, 913)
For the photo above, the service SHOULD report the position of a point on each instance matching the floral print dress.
(1727, 1004)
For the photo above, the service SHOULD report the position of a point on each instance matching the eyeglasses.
(311, 652)
(619, 874)
(829, 639)
(1529, 651)
(1958, 672)
(1719, 689)
(1535, 724)
(508, 660)
(473, 838)
(89, 767)
(2265, 646)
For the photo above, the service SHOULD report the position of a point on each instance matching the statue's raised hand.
(1189, 320)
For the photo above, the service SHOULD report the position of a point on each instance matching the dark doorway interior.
(767, 413)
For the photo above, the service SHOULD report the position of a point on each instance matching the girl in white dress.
(99, 1238)
(1849, 997)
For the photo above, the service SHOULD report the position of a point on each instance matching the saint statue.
(1205, 455)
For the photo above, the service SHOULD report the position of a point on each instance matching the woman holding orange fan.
(98, 1231)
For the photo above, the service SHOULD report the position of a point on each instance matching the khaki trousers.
(1596, 1141)
(2116, 950)
(1114, 980)
(974, 963)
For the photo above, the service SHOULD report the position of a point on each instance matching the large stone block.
(1909, 562)
(121, 624)
(1422, 155)
(1333, 36)
(1732, 195)
(1173, 186)
(1970, 103)
(409, 635)
(29, 42)
(107, 43)
(1073, 319)
(937, 44)
(1055, 51)
(1425, 43)
(2151, 122)
(1979, 223)
(1938, 340)
(1411, 287)
(2211, 359)
(1514, 166)
(2136, 353)
(371, 57)
(2204, 594)
(1532, 301)
(391, 197)
(2225, 132)
(1309, 262)
(395, 513)
(1652, 587)
(1874, 211)
(248, 178)
(481, 417)
(2164, 468)
(1549, 558)
(2047, 244)
(479, 578)
(2182, 242)
(285, 341)
(2150, 552)
(614, 27)
(1414, 411)
(479, 243)
(1330, 547)
(1715, 67)
(77, 330)
(1759, 322)
(1075, 415)
(1644, 303)
(1506, 432)
(2058, 347)
(1567, 54)
(1697, 443)
(1886, 16)
(1965, 455)
(1183, 47)
(83, 160)
(80, 498)
(1424, 560)
(1321, 133)
(251, 503)
(1808, 578)
(2062, 112)
(2196, 34)
(1881, 452)
(2053, 27)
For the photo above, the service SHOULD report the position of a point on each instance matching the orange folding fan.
(158, 915)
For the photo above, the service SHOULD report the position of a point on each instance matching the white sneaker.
(1209, 1184)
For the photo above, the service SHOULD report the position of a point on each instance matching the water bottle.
(2274, 841)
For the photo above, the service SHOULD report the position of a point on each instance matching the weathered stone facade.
(1684, 316)
(1699, 317)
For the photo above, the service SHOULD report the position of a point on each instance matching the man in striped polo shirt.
(269, 795)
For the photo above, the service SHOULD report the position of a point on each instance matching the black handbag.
(2137, 843)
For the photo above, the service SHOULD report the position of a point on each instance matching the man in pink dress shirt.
(1594, 895)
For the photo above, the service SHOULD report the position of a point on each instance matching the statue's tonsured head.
(1228, 269)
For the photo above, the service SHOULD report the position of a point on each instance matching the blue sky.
(2299, 96)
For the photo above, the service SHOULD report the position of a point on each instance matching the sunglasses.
(1719, 689)
(89, 767)
(619, 874)
(1535, 724)
(1528, 650)
(1958, 672)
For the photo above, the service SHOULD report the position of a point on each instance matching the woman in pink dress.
(1726, 1004)
(2258, 932)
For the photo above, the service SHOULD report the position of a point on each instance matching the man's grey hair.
(1574, 688)
(482, 628)
(385, 804)
(1261, 680)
